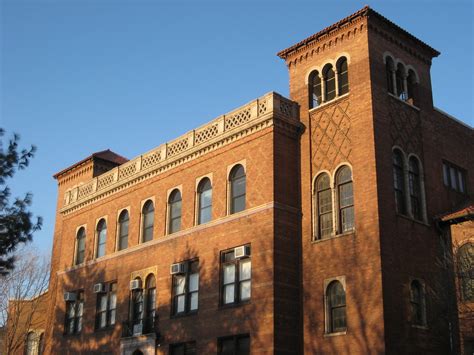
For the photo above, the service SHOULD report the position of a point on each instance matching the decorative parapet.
(272, 105)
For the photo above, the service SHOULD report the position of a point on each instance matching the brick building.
(285, 226)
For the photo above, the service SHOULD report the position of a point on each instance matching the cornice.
(269, 110)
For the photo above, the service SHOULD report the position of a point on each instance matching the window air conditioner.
(241, 252)
(70, 296)
(179, 268)
(99, 288)
(137, 329)
(135, 285)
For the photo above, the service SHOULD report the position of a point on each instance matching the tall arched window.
(390, 72)
(400, 77)
(336, 307)
(101, 238)
(174, 208)
(329, 83)
(148, 213)
(80, 246)
(417, 301)
(123, 230)
(32, 342)
(415, 188)
(345, 199)
(412, 87)
(137, 305)
(314, 86)
(150, 308)
(237, 189)
(465, 266)
(342, 76)
(323, 196)
(204, 201)
(399, 180)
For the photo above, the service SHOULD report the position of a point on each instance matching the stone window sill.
(328, 335)
(327, 103)
(405, 102)
(351, 232)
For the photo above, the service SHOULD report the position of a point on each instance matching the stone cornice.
(271, 109)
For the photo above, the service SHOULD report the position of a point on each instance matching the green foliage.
(16, 221)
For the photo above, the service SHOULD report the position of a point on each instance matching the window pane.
(206, 198)
(176, 209)
(245, 269)
(175, 225)
(325, 225)
(461, 181)
(180, 304)
(446, 174)
(243, 346)
(193, 282)
(227, 347)
(229, 273)
(325, 201)
(238, 204)
(112, 317)
(347, 216)
(346, 196)
(179, 283)
(454, 179)
(205, 214)
(238, 187)
(103, 320)
(229, 294)
(194, 301)
(103, 302)
(245, 290)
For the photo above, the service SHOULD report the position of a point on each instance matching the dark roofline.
(97, 155)
(459, 215)
(364, 12)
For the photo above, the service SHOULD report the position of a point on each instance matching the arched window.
(345, 199)
(329, 83)
(390, 72)
(314, 88)
(137, 305)
(123, 230)
(336, 307)
(148, 213)
(150, 308)
(32, 343)
(399, 181)
(237, 189)
(101, 238)
(174, 208)
(412, 87)
(465, 268)
(323, 196)
(400, 77)
(417, 301)
(80, 246)
(415, 188)
(204, 201)
(342, 76)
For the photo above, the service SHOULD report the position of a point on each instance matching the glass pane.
(112, 317)
(238, 204)
(339, 318)
(229, 273)
(179, 283)
(323, 182)
(123, 243)
(243, 346)
(325, 224)
(245, 269)
(103, 320)
(347, 216)
(446, 174)
(205, 214)
(346, 195)
(194, 301)
(193, 282)
(180, 302)
(175, 225)
(461, 181)
(103, 302)
(176, 209)
(454, 184)
(227, 347)
(101, 250)
(206, 198)
(238, 187)
(245, 290)
(229, 294)
(325, 201)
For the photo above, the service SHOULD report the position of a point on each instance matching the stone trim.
(259, 114)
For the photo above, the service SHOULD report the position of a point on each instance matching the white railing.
(271, 103)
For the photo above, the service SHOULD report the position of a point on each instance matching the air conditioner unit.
(179, 268)
(138, 329)
(100, 288)
(70, 296)
(136, 285)
(242, 252)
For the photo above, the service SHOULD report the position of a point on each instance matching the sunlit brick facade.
(287, 226)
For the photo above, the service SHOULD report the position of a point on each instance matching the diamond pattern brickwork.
(405, 127)
(331, 143)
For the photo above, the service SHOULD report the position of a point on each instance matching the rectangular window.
(188, 348)
(74, 313)
(454, 177)
(236, 277)
(106, 307)
(186, 289)
(234, 345)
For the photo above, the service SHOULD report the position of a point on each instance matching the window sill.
(413, 220)
(327, 103)
(405, 102)
(423, 327)
(234, 305)
(351, 232)
(329, 335)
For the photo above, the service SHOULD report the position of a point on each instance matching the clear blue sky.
(83, 76)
